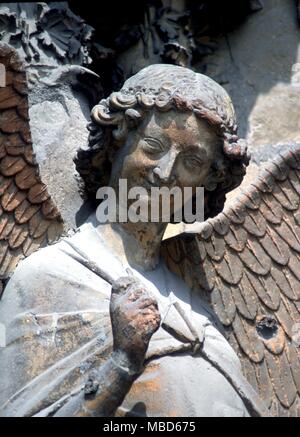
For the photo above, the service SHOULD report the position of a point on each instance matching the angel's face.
(167, 149)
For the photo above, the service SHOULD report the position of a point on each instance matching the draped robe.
(56, 314)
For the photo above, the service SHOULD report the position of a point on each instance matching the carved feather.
(28, 219)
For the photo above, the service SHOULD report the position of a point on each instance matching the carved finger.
(149, 310)
(151, 325)
(147, 302)
(121, 285)
(135, 294)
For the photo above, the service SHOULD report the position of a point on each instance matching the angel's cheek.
(191, 178)
(136, 167)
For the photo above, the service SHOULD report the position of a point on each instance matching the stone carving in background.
(55, 45)
(46, 35)
(179, 32)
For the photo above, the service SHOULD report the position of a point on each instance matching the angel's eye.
(192, 162)
(153, 146)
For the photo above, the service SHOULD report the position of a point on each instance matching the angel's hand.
(135, 317)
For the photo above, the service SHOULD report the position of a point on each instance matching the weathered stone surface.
(58, 125)
(258, 64)
(275, 116)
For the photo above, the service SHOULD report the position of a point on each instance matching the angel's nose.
(164, 168)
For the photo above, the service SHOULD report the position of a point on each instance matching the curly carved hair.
(164, 87)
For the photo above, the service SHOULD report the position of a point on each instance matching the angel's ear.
(120, 129)
(218, 174)
(125, 121)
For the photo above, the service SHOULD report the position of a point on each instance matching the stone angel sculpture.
(113, 322)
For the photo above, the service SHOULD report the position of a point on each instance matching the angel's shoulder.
(34, 269)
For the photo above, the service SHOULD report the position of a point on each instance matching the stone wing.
(28, 217)
(246, 263)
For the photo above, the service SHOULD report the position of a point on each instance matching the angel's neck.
(135, 243)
